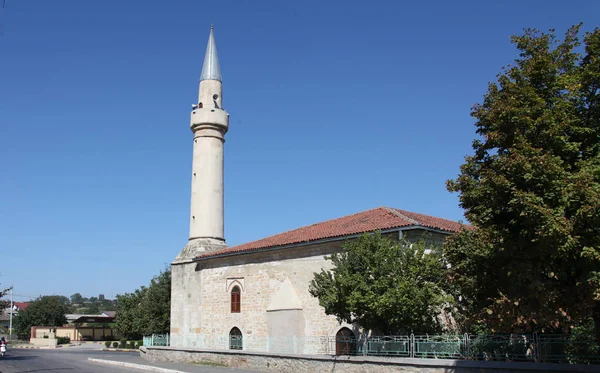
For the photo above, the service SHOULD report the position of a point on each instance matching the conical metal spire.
(211, 69)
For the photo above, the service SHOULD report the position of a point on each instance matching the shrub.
(115, 344)
(45, 336)
(63, 340)
(582, 347)
(107, 344)
(140, 344)
(131, 345)
(123, 343)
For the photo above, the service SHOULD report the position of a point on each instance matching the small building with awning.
(80, 328)
(73, 319)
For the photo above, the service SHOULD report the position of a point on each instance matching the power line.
(25, 296)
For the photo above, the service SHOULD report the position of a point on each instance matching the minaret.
(209, 123)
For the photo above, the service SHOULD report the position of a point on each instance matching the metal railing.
(437, 346)
(552, 348)
(157, 340)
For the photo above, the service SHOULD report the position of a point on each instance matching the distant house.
(112, 314)
(5, 314)
(83, 320)
(81, 327)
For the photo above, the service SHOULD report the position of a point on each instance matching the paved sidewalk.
(136, 362)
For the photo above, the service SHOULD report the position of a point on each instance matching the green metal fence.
(550, 348)
(387, 346)
(437, 346)
(157, 340)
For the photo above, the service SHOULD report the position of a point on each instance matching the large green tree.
(146, 310)
(77, 298)
(48, 310)
(130, 314)
(385, 286)
(532, 191)
(157, 304)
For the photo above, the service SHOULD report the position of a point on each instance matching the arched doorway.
(235, 339)
(345, 342)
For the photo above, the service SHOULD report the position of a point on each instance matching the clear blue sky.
(336, 107)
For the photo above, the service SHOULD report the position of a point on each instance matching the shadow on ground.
(10, 357)
(43, 370)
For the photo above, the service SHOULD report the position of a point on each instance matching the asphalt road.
(75, 360)
(67, 360)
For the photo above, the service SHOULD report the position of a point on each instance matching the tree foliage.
(385, 286)
(48, 310)
(77, 298)
(147, 310)
(4, 303)
(532, 191)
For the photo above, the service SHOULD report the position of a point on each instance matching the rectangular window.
(235, 302)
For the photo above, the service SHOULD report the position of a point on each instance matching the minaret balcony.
(212, 117)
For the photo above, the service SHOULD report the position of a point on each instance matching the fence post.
(412, 345)
(537, 353)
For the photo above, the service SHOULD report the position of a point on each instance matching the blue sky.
(336, 107)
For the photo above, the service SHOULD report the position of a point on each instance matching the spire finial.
(211, 69)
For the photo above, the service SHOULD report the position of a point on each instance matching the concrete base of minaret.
(197, 247)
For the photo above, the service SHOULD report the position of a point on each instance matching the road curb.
(121, 349)
(148, 368)
(43, 347)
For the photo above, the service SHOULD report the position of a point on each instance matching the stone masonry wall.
(259, 277)
(186, 304)
(283, 363)
(200, 300)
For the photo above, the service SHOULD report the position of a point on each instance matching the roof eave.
(314, 242)
(429, 229)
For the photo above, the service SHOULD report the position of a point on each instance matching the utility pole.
(12, 309)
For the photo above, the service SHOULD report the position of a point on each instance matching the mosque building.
(255, 296)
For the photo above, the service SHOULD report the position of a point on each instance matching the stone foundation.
(347, 364)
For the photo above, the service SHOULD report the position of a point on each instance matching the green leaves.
(385, 285)
(532, 190)
(147, 309)
(3, 302)
(48, 310)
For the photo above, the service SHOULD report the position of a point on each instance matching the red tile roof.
(21, 305)
(380, 218)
